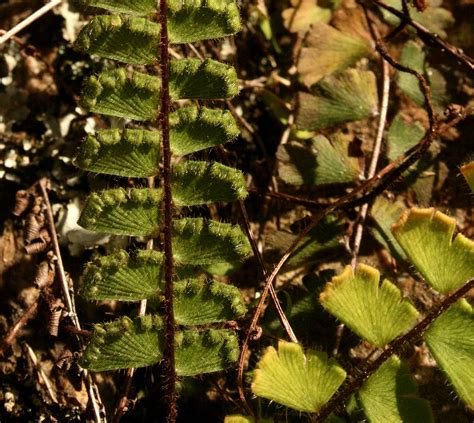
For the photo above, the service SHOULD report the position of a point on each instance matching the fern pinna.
(183, 298)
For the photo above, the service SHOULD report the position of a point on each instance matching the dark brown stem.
(169, 351)
(395, 347)
(429, 38)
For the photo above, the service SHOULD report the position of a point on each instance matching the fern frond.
(205, 352)
(194, 129)
(124, 277)
(195, 183)
(131, 7)
(197, 20)
(198, 302)
(125, 343)
(117, 93)
(135, 212)
(131, 153)
(193, 79)
(129, 40)
(198, 241)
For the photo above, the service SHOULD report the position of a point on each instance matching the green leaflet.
(376, 313)
(198, 241)
(318, 161)
(126, 343)
(116, 93)
(196, 20)
(136, 152)
(130, 40)
(188, 21)
(468, 171)
(194, 129)
(451, 342)
(132, 7)
(402, 136)
(198, 302)
(136, 95)
(302, 382)
(426, 236)
(328, 51)
(195, 183)
(128, 152)
(412, 56)
(124, 277)
(385, 214)
(205, 352)
(349, 96)
(436, 19)
(133, 212)
(318, 245)
(193, 79)
(390, 395)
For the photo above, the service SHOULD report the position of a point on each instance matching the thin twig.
(394, 347)
(429, 38)
(29, 20)
(375, 155)
(94, 396)
(41, 373)
(17, 326)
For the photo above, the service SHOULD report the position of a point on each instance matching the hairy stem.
(395, 347)
(169, 353)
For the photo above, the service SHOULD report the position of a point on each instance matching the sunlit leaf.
(468, 171)
(426, 236)
(377, 313)
(304, 382)
(451, 341)
(390, 395)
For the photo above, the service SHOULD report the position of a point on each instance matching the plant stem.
(169, 352)
(29, 20)
(395, 347)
